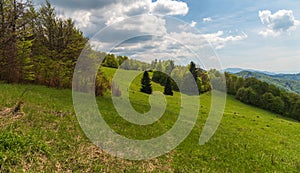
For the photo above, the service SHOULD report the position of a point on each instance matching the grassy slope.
(49, 137)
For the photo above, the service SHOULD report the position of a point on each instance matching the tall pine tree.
(146, 84)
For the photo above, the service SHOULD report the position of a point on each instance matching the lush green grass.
(49, 137)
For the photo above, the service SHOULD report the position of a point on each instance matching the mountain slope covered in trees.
(261, 94)
(289, 82)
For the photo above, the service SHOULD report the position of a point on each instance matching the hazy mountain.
(238, 70)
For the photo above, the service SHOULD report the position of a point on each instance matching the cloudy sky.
(262, 35)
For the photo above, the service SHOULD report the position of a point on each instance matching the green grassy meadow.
(48, 138)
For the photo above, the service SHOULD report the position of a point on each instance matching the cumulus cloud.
(217, 40)
(282, 21)
(207, 19)
(129, 28)
(94, 15)
(169, 7)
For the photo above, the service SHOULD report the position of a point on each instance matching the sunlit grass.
(49, 137)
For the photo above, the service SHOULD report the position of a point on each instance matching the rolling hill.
(49, 137)
(289, 82)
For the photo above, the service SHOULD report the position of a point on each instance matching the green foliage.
(110, 61)
(217, 80)
(177, 74)
(15, 41)
(24, 55)
(39, 47)
(270, 102)
(121, 59)
(288, 82)
(247, 95)
(296, 110)
(132, 64)
(263, 95)
(168, 87)
(159, 77)
(146, 84)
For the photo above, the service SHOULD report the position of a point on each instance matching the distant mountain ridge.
(289, 82)
(238, 70)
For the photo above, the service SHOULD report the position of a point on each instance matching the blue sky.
(280, 53)
(256, 34)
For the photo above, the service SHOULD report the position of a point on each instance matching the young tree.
(168, 87)
(146, 84)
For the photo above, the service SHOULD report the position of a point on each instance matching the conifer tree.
(168, 87)
(193, 70)
(146, 84)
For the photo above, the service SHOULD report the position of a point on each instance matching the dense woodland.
(264, 95)
(38, 47)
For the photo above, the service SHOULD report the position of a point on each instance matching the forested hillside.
(261, 94)
(289, 82)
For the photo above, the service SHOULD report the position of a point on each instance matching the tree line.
(166, 73)
(176, 78)
(263, 95)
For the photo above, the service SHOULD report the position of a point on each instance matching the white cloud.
(193, 24)
(124, 22)
(207, 19)
(187, 26)
(283, 21)
(83, 18)
(92, 17)
(169, 7)
(218, 40)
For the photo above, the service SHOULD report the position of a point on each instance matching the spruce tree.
(168, 87)
(146, 84)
